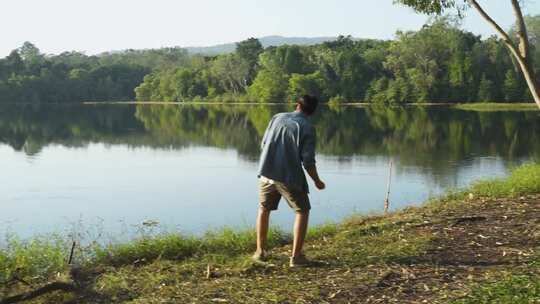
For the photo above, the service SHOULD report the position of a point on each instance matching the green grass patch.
(36, 258)
(42, 257)
(365, 241)
(522, 180)
(514, 289)
(325, 230)
(171, 246)
(225, 242)
(494, 107)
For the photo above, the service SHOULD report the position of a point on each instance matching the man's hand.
(320, 185)
(312, 171)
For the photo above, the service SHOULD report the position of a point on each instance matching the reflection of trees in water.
(236, 127)
(430, 139)
(434, 140)
(30, 128)
(439, 142)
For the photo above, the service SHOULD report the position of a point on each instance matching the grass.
(373, 243)
(42, 257)
(226, 242)
(35, 259)
(522, 180)
(342, 246)
(141, 266)
(513, 289)
(494, 107)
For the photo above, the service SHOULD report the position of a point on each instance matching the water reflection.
(430, 139)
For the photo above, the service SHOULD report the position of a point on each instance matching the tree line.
(29, 76)
(438, 63)
(517, 41)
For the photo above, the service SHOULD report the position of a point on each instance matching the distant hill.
(265, 41)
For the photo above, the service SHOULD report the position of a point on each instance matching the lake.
(103, 170)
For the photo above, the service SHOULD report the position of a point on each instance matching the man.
(287, 145)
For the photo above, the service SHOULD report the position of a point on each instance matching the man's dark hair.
(308, 104)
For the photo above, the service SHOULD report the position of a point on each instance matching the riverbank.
(475, 106)
(478, 106)
(495, 107)
(477, 245)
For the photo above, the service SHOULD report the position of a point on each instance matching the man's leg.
(300, 230)
(263, 219)
(269, 199)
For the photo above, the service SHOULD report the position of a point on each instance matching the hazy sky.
(95, 26)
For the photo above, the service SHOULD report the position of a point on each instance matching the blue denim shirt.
(288, 143)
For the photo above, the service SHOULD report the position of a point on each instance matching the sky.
(94, 26)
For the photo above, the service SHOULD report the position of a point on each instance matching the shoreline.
(473, 106)
(369, 251)
(495, 107)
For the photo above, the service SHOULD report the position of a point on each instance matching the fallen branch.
(76, 275)
(55, 286)
(14, 280)
(387, 279)
(467, 219)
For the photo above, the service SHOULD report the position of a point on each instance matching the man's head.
(307, 104)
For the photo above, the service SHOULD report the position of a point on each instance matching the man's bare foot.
(299, 261)
(259, 256)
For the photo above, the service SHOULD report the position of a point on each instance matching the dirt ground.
(478, 242)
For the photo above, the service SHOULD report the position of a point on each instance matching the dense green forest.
(28, 76)
(438, 63)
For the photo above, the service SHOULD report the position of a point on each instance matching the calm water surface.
(107, 169)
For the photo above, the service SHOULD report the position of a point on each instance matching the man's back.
(289, 142)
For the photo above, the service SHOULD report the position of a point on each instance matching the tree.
(249, 51)
(14, 63)
(312, 84)
(533, 30)
(342, 65)
(434, 62)
(231, 73)
(269, 86)
(512, 87)
(148, 90)
(29, 52)
(520, 49)
(288, 59)
(485, 90)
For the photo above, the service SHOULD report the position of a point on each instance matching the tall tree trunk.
(530, 77)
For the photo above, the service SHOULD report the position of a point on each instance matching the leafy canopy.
(433, 6)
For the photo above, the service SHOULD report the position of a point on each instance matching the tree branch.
(520, 54)
(522, 30)
(506, 39)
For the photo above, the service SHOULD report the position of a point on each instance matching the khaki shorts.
(270, 194)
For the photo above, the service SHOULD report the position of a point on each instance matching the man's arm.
(308, 158)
